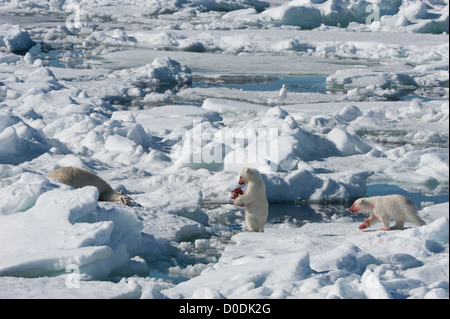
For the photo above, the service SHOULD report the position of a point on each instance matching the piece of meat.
(236, 192)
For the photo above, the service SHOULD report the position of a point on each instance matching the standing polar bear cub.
(385, 208)
(254, 199)
(80, 177)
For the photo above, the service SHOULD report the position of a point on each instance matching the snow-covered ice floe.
(329, 261)
(147, 96)
(14, 39)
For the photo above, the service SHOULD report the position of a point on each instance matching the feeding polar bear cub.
(254, 199)
(80, 177)
(385, 208)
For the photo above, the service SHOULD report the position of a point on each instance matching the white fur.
(80, 177)
(384, 208)
(254, 199)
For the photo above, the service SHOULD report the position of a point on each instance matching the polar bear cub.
(80, 177)
(254, 199)
(384, 208)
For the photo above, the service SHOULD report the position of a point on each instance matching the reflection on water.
(299, 215)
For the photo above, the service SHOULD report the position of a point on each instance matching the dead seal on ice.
(80, 177)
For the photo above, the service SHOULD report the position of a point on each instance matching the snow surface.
(138, 92)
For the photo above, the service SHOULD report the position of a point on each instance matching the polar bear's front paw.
(365, 225)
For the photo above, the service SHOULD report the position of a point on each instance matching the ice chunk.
(373, 287)
(19, 142)
(166, 70)
(46, 238)
(298, 15)
(428, 167)
(14, 38)
(348, 144)
(66, 227)
(22, 195)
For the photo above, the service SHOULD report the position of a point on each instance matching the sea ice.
(140, 93)
(14, 38)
